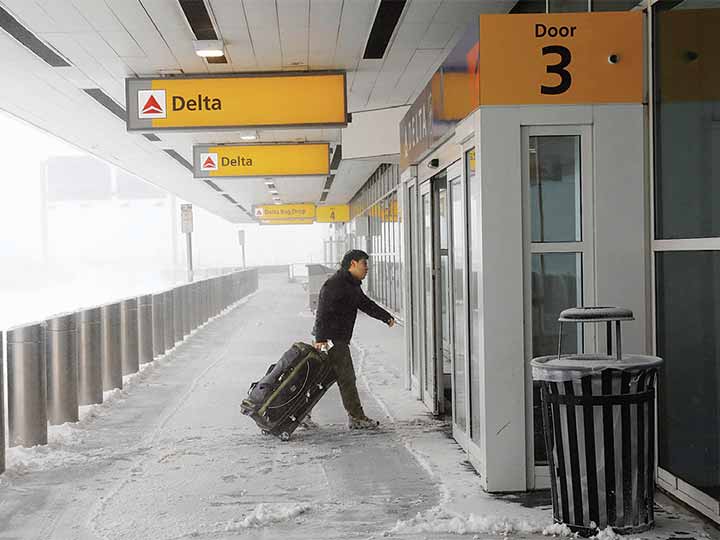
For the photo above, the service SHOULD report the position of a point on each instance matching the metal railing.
(68, 360)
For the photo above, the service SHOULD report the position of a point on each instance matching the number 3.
(559, 69)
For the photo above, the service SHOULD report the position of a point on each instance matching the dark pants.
(341, 362)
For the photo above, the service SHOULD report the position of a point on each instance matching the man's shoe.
(362, 423)
(309, 423)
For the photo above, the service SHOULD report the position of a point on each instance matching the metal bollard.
(27, 413)
(191, 307)
(187, 310)
(169, 320)
(129, 336)
(89, 343)
(110, 348)
(145, 328)
(158, 324)
(206, 301)
(62, 373)
(198, 305)
(178, 314)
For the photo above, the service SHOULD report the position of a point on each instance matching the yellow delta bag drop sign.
(242, 100)
(339, 213)
(261, 160)
(561, 58)
(272, 212)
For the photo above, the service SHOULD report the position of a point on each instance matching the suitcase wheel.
(284, 436)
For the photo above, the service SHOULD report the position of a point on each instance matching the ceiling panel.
(262, 20)
(31, 15)
(123, 43)
(97, 13)
(355, 22)
(299, 189)
(293, 19)
(420, 11)
(169, 20)
(324, 27)
(437, 35)
(134, 18)
(66, 17)
(98, 48)
(230, 18)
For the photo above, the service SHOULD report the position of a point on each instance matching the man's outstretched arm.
(371, 308)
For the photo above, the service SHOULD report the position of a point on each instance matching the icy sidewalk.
(464, 509)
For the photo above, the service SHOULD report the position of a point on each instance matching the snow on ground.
(167, 458)
(464, 507)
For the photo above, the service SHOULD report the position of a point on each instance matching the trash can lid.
(596, 314)
(574, 366)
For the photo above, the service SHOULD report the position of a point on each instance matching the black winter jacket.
(340, 298)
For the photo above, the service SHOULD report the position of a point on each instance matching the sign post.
(241, 238)
(186, 220)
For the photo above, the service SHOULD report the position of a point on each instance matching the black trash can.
(599, 426)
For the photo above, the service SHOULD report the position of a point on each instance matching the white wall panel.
(373, 133)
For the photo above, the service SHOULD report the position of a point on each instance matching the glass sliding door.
(429, 394)
(559, 253)
(458, 305)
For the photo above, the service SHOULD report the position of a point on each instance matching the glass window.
(555, 188)
(687, 134)
(688, 325)
(556, 285)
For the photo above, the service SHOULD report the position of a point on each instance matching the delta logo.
(209, 161)
(259, 212)
(152, 104)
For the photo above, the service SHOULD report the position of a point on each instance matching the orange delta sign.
(338, 213)
(287, 222)
(559, 58)
(261, 160)
(236, 101)
(298, 214)
(272, 212)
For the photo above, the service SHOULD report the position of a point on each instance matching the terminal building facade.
(503, 211)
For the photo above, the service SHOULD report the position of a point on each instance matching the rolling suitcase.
(289, 390)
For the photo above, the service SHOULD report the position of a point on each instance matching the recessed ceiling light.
(248, 135)
(209, 48)
(274, 191)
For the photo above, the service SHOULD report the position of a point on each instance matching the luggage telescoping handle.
(595, 314)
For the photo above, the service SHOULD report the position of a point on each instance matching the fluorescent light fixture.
(250, 135)
(274, 191)
(209, 48)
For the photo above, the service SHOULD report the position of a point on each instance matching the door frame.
(538, 477)
(456, 172)
(429, 388)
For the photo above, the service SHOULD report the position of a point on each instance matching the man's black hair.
(353, 255)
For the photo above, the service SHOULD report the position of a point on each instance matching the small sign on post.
(186, 224)
(241, 238)
(186, 218)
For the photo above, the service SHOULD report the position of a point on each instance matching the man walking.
(340, 298)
